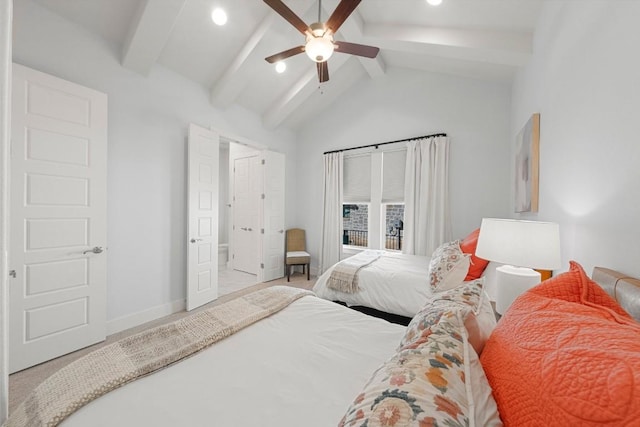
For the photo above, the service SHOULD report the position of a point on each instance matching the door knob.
(96, 250)
(196, 240)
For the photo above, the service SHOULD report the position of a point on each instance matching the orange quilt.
(565, 354)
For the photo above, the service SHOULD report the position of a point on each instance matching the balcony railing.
(393, 241)
(360, 238)
(355, 238)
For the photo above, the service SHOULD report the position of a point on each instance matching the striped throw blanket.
(130, 358)
(344, 277)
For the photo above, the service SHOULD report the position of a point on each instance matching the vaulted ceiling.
(483, 39)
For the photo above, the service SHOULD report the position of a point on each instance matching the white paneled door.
(57, 257)
(272, 242)
(247, 190)
(202, 253)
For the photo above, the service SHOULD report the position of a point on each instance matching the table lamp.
(522, 246)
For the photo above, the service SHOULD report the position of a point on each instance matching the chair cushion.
(297, 254)
(298, 257)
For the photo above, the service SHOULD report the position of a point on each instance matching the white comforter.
(301, 366)
(395, 283)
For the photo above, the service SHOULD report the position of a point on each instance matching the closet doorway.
(247, 190)
(251, 215)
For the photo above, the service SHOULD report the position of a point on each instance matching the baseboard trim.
(135, 319)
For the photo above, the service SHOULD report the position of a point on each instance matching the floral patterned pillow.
(422, 386)
(470, 294)
(448, 267)
(464, 300)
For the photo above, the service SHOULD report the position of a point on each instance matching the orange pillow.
(477, 265)
(565, 354)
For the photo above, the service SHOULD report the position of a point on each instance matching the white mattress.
(395, 283)
(302, 366)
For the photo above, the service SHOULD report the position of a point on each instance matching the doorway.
(238, 163)
(246, 191)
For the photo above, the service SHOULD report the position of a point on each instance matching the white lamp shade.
(532, 244)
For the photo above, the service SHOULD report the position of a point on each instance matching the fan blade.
(288, 14)
(323, 71)
(342, 12)
(357, 49)
(284, 54)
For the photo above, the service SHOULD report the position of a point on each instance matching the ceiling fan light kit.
(319, 46)
(319, 43)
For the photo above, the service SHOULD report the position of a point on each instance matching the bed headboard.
(625, 289)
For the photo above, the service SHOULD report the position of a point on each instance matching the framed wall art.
(527, 161)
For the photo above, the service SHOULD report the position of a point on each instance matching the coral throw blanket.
(565, 354)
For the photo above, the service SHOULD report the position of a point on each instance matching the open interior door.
(202, 253)
(273, 206)
(58, 260)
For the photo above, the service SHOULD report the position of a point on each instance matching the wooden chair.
(296, 251)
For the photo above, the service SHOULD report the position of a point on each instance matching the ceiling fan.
(319, 44)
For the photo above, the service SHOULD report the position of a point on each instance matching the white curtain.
(427, 222)
(331, 242)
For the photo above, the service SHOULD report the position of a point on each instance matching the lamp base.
(511, 282)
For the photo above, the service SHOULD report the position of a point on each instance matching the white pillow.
(448, 267)
(482, 403)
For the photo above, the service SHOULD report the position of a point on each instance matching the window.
(373, 200)
(394, 226)
(357, 196)
(355, 225)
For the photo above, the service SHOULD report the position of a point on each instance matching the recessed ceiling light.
(434, 2)
(280, 67)
(219, 16)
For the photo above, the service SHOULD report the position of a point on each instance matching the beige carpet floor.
(21, 383)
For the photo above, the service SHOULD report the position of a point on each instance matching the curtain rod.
(389, 142)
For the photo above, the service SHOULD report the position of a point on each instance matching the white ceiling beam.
(351, 73)
(352, 30)
(497, 47)
(227, 88)
(149, 33)
(299, 92)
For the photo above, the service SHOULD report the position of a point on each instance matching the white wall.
(5, 125)
(405, 103)
(148, 121)
(584, 80)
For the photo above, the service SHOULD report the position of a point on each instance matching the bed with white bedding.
(277, 372)
(395, 283)
(305, 362)
(315, 363)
